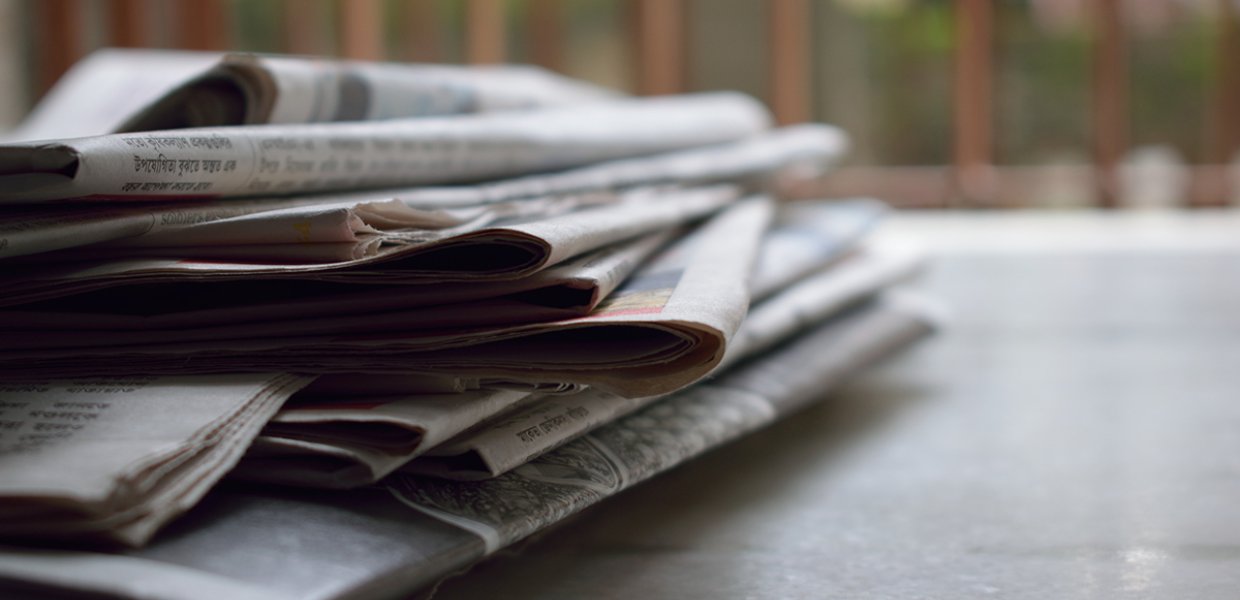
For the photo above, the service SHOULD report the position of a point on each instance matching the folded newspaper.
(117, 81)
(572, 288)
(757, 163)
(251, 160)
(492, 449)
(142, 89)
(356, 440)
(251, 89)
(501, 251)
(665, 327)
(808, 238)
(113, 459)
(406, 533)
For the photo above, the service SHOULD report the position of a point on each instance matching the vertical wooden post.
(485, 37)
(202, 25)
(361, 29)
(546, 33)
(790, 60)
(421, 20)
(1223, 133)
(302, 28)
(1227, 94)
(129, 23)
(60, 40)
(659, 37)
(1110, 99)
(973, 100)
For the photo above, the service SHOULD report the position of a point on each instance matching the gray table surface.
(1073, 433)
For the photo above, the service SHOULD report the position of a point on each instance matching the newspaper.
(799, 151)
(288, 159)
(806, 238)
(665, 327)
(146, 89)
(339, 438)
(113, 459)
(571, 289)
(501, 446)
(502, 250)
(260, 542)
(116, 81)
(356, 440)
(42, 229)
(249, 89)
(821, 230)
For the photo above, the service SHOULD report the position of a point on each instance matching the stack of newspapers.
(281, 327)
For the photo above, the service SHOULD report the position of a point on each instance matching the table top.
(1073, 432)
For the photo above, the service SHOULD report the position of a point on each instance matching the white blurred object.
(1153, 177)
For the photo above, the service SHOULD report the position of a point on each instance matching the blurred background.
(950, 103)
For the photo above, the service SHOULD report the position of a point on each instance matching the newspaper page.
(665, 327)
(102, 90)
(113, 459)
(390, 231)
(133, 89)
(288, 159)
(288, 544)
(350, 441)
(136, 311)
(254, 89)
(805, 238)
(38, 229)
(499, 251)
(820, 233)
(512, 441)
(510, 507)
(806, 150)
(340, 438)
(572, 288)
